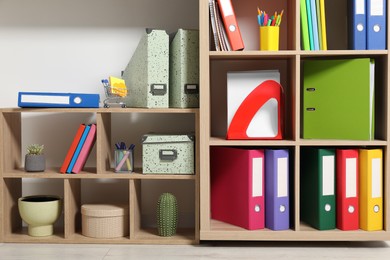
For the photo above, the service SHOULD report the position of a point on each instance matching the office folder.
(324, 39)
(357, 24)
(304, 26)
(376, 24)
(78, 149)
(51, 99)
(310, 24)
(338, 99)
(347, 189)
(147, 73)
(277, 206)
(184, 69)
(314, 24)
(231, 26)
(85, 150)
(255, 108)
(319, 23)
(237, 186)
(72, 148)
(318, 200)
(371, 194)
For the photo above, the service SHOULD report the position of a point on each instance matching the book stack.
(80, 149)
(313, 25)
(224, 26)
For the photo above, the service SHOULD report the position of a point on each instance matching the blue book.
(78, 149)
(310, 24)
(50, 99)
(314, 25)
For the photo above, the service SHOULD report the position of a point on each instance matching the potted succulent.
(35, 159)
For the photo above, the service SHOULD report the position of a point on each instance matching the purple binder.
(277, 210)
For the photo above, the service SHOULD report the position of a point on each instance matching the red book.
(85, 150)
(72, 148)
(237, 186)
(231, 25)
(347, 189)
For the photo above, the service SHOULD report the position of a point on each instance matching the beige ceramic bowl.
(40, 212)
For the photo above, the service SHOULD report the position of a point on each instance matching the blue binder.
(357, 25)
(49, 99)
(314, 24)
(376, 24)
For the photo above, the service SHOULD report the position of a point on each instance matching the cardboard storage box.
(168, 154)
(104, 220)
(147, 74)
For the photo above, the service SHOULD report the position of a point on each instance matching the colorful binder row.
(250, 187)
(367, 25)
(80, 149)
(313, 25)
(342, 188)
(226, 32)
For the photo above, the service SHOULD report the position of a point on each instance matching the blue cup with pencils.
(269, 30)
(124, 158)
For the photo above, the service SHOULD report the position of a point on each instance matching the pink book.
(85, 150)
(237, 186)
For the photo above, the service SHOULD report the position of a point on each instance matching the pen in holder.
(124, 160)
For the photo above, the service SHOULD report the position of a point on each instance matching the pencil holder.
(269, 38)
(124, 160)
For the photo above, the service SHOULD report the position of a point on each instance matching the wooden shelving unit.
(12, 176)
(288, 60)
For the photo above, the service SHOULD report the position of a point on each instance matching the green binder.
(304, 27)
(317, 179)
(338, 99)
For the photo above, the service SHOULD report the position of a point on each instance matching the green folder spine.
(304, 26)
(318, 204)
(184, 69)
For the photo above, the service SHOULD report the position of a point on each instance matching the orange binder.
(231, 25)
(347, 187)
(72, 148)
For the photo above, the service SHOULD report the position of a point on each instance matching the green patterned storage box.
(168, 154)
(147, 74)
(184, 69)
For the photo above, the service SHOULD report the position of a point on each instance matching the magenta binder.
(277, 214)
(237, 186)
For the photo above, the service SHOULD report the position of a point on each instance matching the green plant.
(167, 215)
(35, 149)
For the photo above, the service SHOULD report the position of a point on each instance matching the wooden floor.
(210, 250)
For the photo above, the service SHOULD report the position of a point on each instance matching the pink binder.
(237, 186)
(85, 150)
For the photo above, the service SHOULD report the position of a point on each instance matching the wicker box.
(105, 221)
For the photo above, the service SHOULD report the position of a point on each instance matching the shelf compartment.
(218, 90)
(143, 226)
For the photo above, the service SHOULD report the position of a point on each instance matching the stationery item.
(357, 25)
(50, 99)
(78, 149)
(319, 23)
(147, 73)
(310, 24)
(277, 206)
(214, 24)
(376, 24)
(237, 186)
(72, 148)
(118, 86)
(304, 27)
(231, 26)
(124, 160)
(269, 38)
(184, 69)
(347, 189)
(317, 184)
(324, 41)
(371, 194)
(313, 10)
(338, 95)
(85, 150)
(222, 42)
(255, 109)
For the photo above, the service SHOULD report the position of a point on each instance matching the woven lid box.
(105, 221)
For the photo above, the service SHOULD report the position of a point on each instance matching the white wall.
(69, 46)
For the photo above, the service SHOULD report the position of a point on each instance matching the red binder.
(72, 148)
(347, 189)
(231, 25)
(237, 186)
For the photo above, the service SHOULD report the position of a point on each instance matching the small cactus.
(167, 215)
